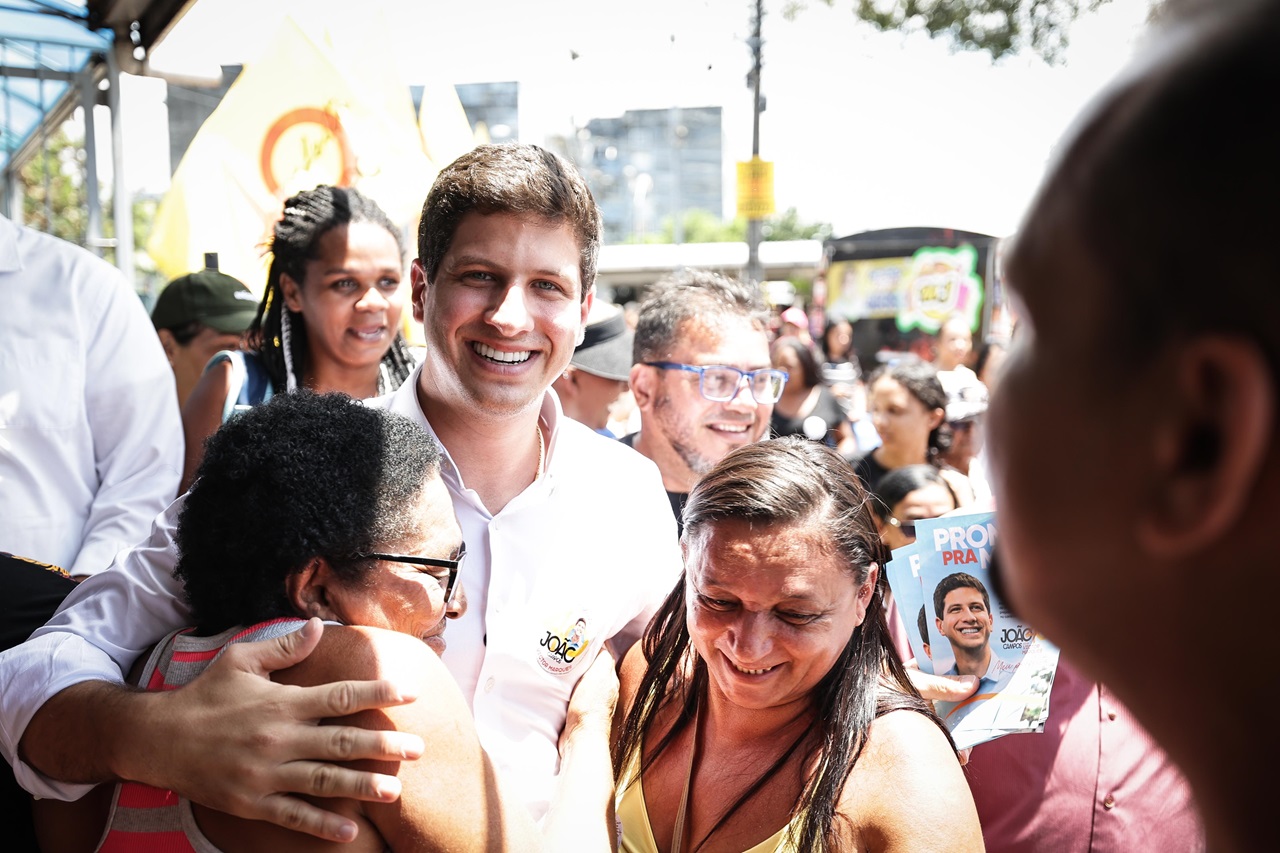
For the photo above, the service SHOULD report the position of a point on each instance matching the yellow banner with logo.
(323, 110)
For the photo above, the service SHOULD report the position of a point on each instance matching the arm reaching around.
(231, 739)
(581, 814)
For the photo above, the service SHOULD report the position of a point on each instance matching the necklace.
(542, 450)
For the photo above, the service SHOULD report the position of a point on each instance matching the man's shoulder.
(39, 251)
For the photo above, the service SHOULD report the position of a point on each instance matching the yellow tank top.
(637, 834)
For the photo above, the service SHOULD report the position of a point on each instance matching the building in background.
(647, 167)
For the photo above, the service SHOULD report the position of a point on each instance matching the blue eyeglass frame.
(749, 375)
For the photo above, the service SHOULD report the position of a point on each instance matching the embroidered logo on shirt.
(558, 649)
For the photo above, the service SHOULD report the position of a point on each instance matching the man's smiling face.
(503, 314)
(690, 430)
(965, 620)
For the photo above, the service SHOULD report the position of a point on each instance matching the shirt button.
(1111, 715)
(488, 685)
(1109, 803)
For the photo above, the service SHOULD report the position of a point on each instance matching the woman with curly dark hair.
(329, 319)
(765, 709)
(319, 506)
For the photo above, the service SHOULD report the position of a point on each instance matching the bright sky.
(867, 130)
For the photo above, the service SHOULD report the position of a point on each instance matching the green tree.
(53, 189)
(57, 175)
(789, 226)
(702, 226)
(999, 27)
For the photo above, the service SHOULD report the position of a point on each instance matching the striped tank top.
(144, 819)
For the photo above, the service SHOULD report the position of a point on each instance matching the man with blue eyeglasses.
(702, 379)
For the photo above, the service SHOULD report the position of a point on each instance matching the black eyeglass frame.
(749, 375)
(452, 565)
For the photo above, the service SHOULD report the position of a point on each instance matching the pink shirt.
(1092, 781)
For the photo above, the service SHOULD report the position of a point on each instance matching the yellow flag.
(446, 133)
(307, 113)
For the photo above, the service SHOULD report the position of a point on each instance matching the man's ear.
(643, 385)
(168, 343)
(418, 289)
(310, 590)
(587, 302)
(1210, 446)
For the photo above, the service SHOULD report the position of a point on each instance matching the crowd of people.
(436, 599)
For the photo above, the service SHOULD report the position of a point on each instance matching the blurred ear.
(935, 418)
(310, 590)
(168, 342)
(1210, 444)
(291, 290)
(644, 385)
(566, 384)
(418, 288)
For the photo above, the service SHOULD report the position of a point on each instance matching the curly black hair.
(301, 476)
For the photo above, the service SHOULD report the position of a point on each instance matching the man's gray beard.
(698, 463)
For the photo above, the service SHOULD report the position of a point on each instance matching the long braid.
(306, 218)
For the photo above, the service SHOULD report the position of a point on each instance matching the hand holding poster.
(971, 632)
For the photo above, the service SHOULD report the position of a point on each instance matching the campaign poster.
(903, 574)
(972, 632)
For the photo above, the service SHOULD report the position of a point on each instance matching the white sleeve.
(660, 556)
(132, 407)
(101, 628)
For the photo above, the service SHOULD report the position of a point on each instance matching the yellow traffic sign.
(755, 188)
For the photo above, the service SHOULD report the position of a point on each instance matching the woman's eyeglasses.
(448, 583)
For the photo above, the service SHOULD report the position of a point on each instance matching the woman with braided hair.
(329, 319)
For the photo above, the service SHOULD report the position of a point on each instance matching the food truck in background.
(898, 285)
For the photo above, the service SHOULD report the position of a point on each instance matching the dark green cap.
(210, 297)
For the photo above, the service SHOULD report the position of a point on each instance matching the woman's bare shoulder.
(361, 653)
(908, 792)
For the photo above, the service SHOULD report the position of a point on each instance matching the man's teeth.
(504, 357)
(732, 427)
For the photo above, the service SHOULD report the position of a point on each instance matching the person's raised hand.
(941, 688)
(235, 741)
